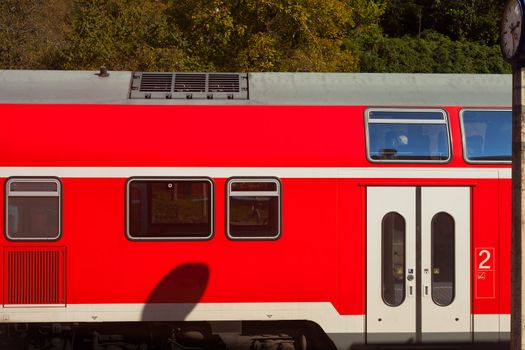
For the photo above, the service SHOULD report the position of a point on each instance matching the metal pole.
(518, 222)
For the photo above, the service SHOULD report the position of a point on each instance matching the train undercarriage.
(252, 335)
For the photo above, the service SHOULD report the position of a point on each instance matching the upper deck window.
(407, 135)
(487, 135)
(176, 208)
(33, 209)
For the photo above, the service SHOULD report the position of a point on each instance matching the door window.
(393, 256)
(443, 259)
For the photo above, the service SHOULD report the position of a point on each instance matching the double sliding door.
(418, 263)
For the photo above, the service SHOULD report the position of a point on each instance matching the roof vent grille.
(190, 82)
(221, 86)
(223, 83)
(156, 82)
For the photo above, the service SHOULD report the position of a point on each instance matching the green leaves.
(217, 35)
(31, 33)
(125, 35)
(440, 36)
(269, 35)
(432, 53)
(253, 35)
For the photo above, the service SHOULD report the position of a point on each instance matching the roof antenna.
(103, 72)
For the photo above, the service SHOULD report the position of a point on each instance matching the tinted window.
(408, 136)
(254, 186)
(169, 208)
(487, 135)
(29, 186)
(443, 259)
(393, 259)
(253, 208)
(397, 115)
(33, 209)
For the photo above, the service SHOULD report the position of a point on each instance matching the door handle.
(410, 279)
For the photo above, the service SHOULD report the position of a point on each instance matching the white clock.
(512, 30)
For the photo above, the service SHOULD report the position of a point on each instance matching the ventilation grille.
(231, 86)
(34, 276)
(157, 82)
(190, 83)
(223, 83)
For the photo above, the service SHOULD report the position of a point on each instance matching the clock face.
(511, 28)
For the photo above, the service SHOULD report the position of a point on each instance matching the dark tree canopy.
(471, 20)
(433, 36)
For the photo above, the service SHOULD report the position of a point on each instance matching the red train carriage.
(265, 209)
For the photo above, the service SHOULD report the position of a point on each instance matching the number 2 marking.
(482, 265)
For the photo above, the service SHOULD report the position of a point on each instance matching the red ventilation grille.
(34, 276)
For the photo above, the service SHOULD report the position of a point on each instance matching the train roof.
(368, 89)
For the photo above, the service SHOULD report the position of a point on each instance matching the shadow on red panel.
(176, 295)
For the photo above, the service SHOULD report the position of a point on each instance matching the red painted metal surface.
(321, 253)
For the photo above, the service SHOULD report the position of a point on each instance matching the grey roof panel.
(369, 89)
(26, 86)
(382, 89)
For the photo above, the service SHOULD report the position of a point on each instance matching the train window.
(169, 208)
(407, 135)
(393, 259)
(443, 259)
(253, 208)
(33, 209)
(487, 135)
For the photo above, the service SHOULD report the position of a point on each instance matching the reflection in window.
(408, 135)
(169, 208)
(253, 208)
(487, 135)
(33, 209)
(393, 259)
(443, 259)
(405, 115)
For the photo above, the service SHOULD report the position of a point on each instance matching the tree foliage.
(438, 36)
(219, 35)
(471, 20)
(253, 35)
(125, 35)
(431, 53)
(31, 33)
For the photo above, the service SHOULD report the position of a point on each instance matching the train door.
(418, 264)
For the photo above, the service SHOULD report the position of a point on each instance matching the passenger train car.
(254, 211)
